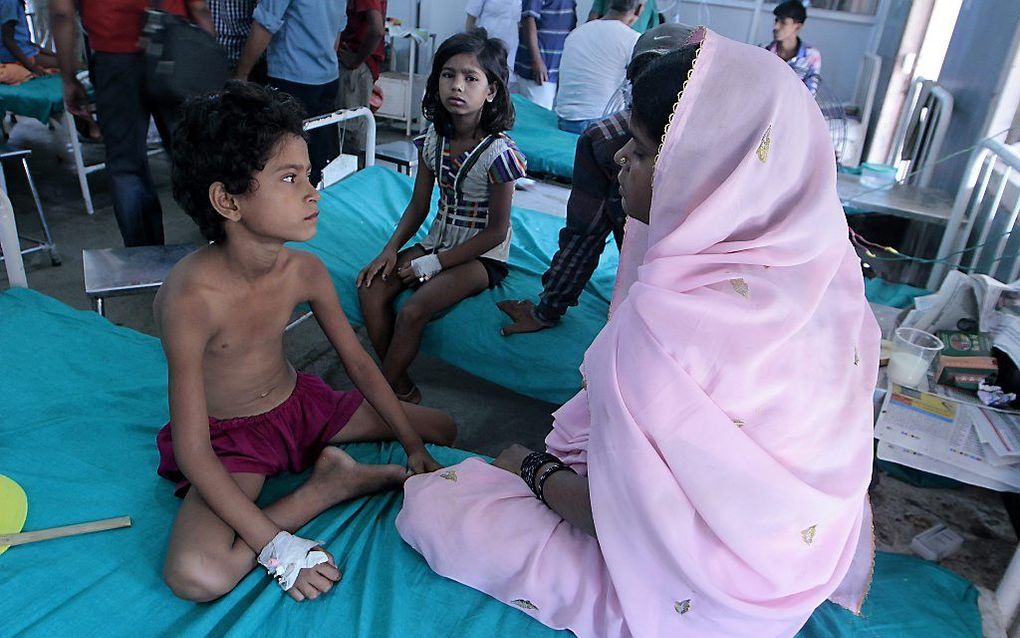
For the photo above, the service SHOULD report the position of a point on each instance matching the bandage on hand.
(286, 555)
(426, 267)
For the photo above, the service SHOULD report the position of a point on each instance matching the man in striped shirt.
(594, 209)
(804, 59)
(545, 25)
(232, 19)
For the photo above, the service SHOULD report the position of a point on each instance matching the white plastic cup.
(913, 352)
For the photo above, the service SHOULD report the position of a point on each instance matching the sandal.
(411, 396)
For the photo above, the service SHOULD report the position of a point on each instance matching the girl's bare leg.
(377, 303)
(441, 292)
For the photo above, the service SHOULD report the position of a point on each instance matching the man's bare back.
(245, 370)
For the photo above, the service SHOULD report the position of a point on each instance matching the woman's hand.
(421, 462)
(382, 265)
(511, 458)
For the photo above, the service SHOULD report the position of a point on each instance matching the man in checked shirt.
(594, 209)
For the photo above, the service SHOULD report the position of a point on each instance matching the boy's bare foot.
(336, 477)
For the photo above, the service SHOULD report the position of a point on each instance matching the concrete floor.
(490, 417)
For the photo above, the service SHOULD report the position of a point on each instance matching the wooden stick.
(66, 530)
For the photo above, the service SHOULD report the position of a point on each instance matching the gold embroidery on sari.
(808, 535)
(682, 606)
(524, 604)
(740, 287)
(679, 96)
(765, 145)
(449, 475)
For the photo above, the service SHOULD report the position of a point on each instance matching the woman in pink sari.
(715, 467)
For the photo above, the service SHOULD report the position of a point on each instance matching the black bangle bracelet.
(531, 463)
(540, 483)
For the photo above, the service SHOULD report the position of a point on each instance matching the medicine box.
(966, 360)
(936, 542)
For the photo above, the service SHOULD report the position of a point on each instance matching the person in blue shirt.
(301, 37)
(16, 44)
(545, 25)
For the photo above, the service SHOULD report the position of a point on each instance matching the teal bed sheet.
(78, 420)
(41, 98)
(549, 150)
(357, 216)
(890, 293)
(80, 405)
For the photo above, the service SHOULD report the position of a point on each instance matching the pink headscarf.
(730, 395)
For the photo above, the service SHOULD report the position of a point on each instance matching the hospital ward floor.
(489, 416)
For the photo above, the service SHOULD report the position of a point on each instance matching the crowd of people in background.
(328, 55)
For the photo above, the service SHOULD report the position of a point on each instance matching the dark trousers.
(124, 107)
(317, 99)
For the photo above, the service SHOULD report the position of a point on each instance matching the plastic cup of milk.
(913, 352)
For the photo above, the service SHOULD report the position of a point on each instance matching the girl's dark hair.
(227, 137)
(656, 89)
(498, 115)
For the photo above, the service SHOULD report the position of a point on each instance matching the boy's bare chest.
(253, 323)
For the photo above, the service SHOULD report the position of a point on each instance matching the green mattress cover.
(549, 150)
(41, 98)
(357, 216)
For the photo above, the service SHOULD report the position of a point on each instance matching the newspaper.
(903, 456)
(963, 441)
(995, 307)
(948, 431)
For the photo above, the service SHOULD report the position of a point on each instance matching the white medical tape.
(286, 555)
(426, 267)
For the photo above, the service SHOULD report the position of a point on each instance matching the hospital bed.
(357, 216)
(43, 99)
(549, 150)
(80, 404)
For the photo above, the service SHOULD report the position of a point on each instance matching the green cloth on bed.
(549, 150)
(41, 98)
(909, 597)
(358, 216)
(80, 404)
(889, 293)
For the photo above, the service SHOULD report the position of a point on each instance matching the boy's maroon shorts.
(288, 438)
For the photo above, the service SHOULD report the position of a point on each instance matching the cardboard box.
(966, 360)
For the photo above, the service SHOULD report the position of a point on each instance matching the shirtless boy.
(239, 412)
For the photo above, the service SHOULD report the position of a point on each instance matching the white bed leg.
(1008, 594)
(10, 245)
(79, 163)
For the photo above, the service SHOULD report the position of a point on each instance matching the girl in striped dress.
(475, 164)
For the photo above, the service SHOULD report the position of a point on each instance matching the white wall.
(444, 18)
(842, 39)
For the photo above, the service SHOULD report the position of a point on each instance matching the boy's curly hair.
(227, 137)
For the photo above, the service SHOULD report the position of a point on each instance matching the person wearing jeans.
(300, 36)
(361, 52)
(123, 101)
